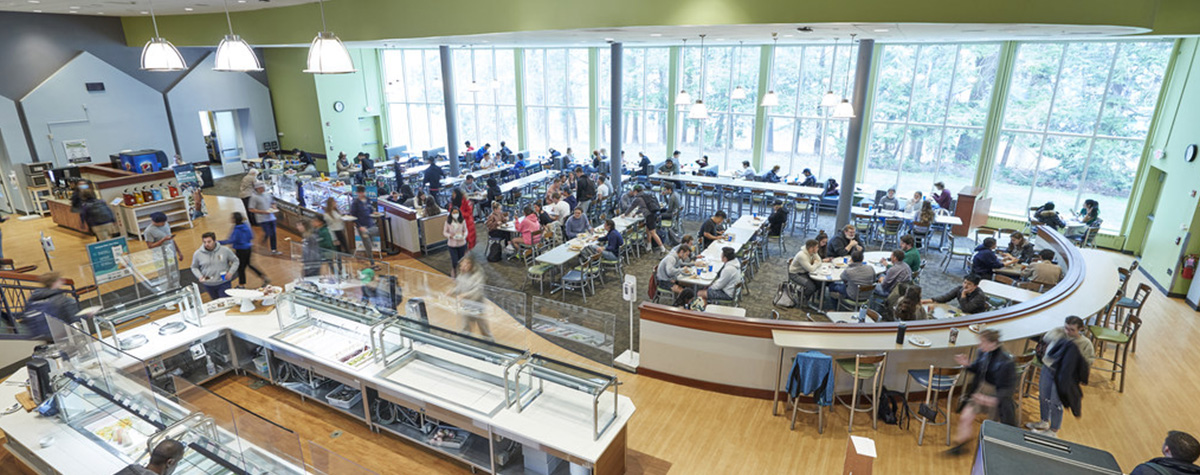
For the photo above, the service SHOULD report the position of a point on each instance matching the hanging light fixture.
(159, 54)
(474, 87)
(770, 99)
(830, 99)
(327, 54)
(844, 109)
(233, 53)
(699, 111)
(683, 98)
(739, 92)
(495, 75)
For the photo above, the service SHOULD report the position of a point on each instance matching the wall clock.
(338, 106)
(1189, 153)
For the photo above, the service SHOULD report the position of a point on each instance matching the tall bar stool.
(803, 210)
(691, 197)
(936, 381)
(862, 368)
(1133, 306)
(759, 202)
(809, 364)
(1120, 336)
(708, 200)
(729, 194)
(1025, 371)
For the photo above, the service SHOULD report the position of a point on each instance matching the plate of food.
(920, 341)
(976, 327)
(689, 271)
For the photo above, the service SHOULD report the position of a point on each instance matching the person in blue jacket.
(986, 261)
(241, 239)
(487, 147)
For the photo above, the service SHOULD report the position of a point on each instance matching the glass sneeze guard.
(584, 380)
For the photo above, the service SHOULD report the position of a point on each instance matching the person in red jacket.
(459, 200)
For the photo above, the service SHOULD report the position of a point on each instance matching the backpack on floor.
(495, 251)
(789, 295)
(892, 409)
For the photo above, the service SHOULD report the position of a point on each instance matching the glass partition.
(132, 275)
(594, 384)
(584, 331)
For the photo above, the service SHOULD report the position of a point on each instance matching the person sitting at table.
(823, 246)
(603, 189)
(612, 241)
(747, 172)
(494, 194)
(495, 222)
(558, 208)
(854, 275)
(685, 297)
(431, 207)
(576, 224)
(669, 168)
(671, 266)
(644, 165)
(689, 241)
(831, 188)
(470, 186)
(941, 196)
(729, 275)
(923, 218)
(809, 179)
(543, 216)
(908, 307)
(914, 205)
(677, 158)
(970, 297)
(483, 151)
(1044, 271)
(526, 227)
(773, 175)
(504, 151)
(1089, 215)
(844, 243)
(897, 272)
(778, 218)
(889, 201)
(709, 231)
(554, 186)
(596, 160)
(670, 201)
(1019, 249)
(343, 163)
(803, 264)
(985, 262)
(488, 162)
(912, 256)
(702, 162)
(1046, 215)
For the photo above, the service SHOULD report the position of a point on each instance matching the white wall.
(14, 151)
(128, 115)
(206, 90)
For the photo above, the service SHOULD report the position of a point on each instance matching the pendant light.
(233, 53)
(495, 76)
(845, 110)
(683, 98)
(830, 99)
(770, 99)
(699, 111)
(739, 92)
(327, 54)
(159, 54)
(474, 87)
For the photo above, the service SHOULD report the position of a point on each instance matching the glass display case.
(542, 370)
(185, 300)
(337, 330)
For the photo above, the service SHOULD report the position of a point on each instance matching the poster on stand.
(106, 259)
(189, 187)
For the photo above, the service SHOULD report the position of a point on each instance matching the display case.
(540, 369)
(185, 300)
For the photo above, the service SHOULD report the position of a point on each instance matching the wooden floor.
(691, 431)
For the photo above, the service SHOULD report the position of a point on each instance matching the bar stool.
(809, 364)
(1120, 336)
(708, 200)
(730, 192)
(803, 214)
(861, 368)
(759, 202)
(1025, 371)
(1133, 305)
(691, 197)
(936, 381)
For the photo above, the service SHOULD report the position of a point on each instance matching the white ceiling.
(139, 7)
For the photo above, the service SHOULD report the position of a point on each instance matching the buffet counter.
(742, 355)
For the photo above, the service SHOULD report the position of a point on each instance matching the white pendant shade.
(739, 93)
(327, 55)
(683, 98)
(699, 111)
(829, 99)
(843, 110)
(770, 99)
(234, 54)
(160, 55)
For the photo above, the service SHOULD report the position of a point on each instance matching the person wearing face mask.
(455, 231)
(163, 460)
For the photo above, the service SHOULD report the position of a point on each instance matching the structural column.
(854, 136)
(451, 108)
(614, 154)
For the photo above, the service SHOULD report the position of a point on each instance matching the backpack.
(892, 409)
(36, 317)
(495, 251)
(97, 212)
(789, 295)
(1159, 469)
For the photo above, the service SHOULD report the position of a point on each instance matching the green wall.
(1175, 124)
(362, 95)
(362, 20)
(294, 98)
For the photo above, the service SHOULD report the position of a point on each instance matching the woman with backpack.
(98, 216)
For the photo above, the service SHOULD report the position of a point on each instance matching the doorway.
(9, 186)
(1154, 184)
(223, 140)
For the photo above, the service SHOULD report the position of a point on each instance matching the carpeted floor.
(226, 186)
(757, 302)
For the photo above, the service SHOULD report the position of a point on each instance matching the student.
(912, 256)
(317, 240)
(98, 216)
(986, 262)
(158, 233)
(504, 151)
(747, 172)
(831, 188)
(468, 288)
(897, 272)
(809, 179)
(455, 231)
(246, 191)
(241, 239)
(643, 165)
(612, 241)
(487, 162)
(479, 154)
(559, 209)
(58, 304)
(163, 460)
(996, 380)
(213, 265)
(709, 231)
(432, 177)
(495, 221)
(773, 175)
(576, 224)
(970, 298)
(777, 219)
(908, 307)
(914, 205)
(1044, 271)
(1090, 212)
(468, 147)
(845, 243)
(803, 264)
(585, 190)
(670, 202)
(525, 228)
(1019, 249)
(543, 216)
(470, 186)
(362, 210)
(823, 246)
(1049, 402)
(923, 219)
(702, 162)
(671, 266)
(1180, 451)
(669, 168)
(459, 200)
(854, 275)
(337, 225)
(1048, 216)
(889, 201)
(728, 277)
(603, 190)
(942, 196)
(645, 205)
(343, 164)
(262, 205)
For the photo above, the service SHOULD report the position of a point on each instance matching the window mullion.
(1087, 161)
(1037, 170)
(912, 88)
(937, 167)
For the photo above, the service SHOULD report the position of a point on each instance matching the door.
(369, 132)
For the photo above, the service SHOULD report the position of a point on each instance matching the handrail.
(761, 327)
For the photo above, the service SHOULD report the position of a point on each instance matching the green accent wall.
(359, 126)
(363, 20)
(294, 97)
(991, 131)
(595, 141)
(672, 90)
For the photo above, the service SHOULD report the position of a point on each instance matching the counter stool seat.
(862, 368)
(940, 383)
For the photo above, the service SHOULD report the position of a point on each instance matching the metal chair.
(803, 214)
(692, 197)
(890, 232)
(1133, 305)
(536, 271)
(864, 224)
(737, 296)
(861, 299)
(861, 368)
(1025, 367)
(958, 251)
(583, 276)
(936, 381)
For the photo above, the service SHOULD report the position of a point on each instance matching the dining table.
(832, 271)
(707, 262)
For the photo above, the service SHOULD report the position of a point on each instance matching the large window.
(727, 136)
(1075, 120)
(931, 104)
(801, 134)
(485, 86)
(413, 90)
(644, 87)
(556, 100)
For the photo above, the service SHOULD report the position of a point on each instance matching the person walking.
(51, 307)
(992, 395)
(213, 265)
(98, 216)
(247, 190)
(158, 234)
(455, 231)
(362, 209)
(468, 288)
(241, 239)
(1050, 403)
(337, 226)
(458, 199)
(263, 205)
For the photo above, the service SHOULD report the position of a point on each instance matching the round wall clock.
(1189, 153)
(338, 106)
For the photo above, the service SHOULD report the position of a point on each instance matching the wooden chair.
(1031, 286)
(1120, 337)
(862, 368)
(1003, 279)
(1024, 364)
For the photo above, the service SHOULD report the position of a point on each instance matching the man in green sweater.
(912, 256)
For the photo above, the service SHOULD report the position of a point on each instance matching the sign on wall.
(77, 151)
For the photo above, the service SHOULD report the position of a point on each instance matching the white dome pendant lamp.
(830, 99)
(159, 54)
(233, 53)
(327, 54)
(770, 99)
(844, 109)
(683, 98)
(739, 92)
(699, 111)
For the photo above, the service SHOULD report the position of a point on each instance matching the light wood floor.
(699, 432)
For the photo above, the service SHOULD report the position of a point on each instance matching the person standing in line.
(362, 209)
(317, 242)
(241, 239)
(98, 216)
(333, 219)
(992, 394)
(246, 191)
(585, 190)
(455, 231)
(263, 205)
(157, 234)
(459, 200)
(213, 265)
(468, 288)
(1180, 452)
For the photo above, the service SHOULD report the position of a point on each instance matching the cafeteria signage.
(105, 257)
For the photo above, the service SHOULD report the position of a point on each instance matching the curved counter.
(740, 355)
